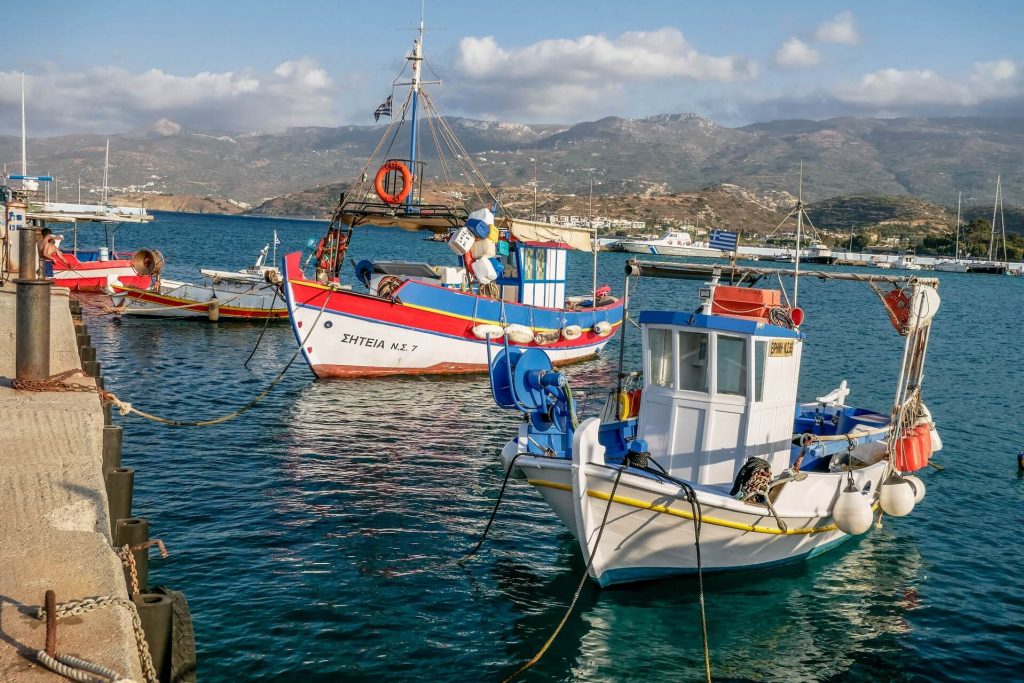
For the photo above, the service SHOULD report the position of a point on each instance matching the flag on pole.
(276, 240)
(383, 110)
(724, 240)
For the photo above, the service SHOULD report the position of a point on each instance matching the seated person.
(49, 252)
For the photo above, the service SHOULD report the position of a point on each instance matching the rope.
(85, 605)
(56, 383)
(579, 588)
(262, 332)
(76, 669)
(483, 536)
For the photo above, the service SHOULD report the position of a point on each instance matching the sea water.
(289, 528)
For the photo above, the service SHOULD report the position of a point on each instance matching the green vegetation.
(974, 241)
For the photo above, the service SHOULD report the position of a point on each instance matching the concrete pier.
(54, 529)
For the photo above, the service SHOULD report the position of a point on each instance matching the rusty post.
(91, 368)
(120, 483)
(32, 329)
(156, 614)
(108, 414)
(28, 252)
(87, 353)
(113, 440)
(134, 532)
(83, 339)
(50, 601)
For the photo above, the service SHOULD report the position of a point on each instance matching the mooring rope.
(579, 589)
(57, 383)
(78, 607)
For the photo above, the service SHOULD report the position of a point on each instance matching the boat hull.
(183, 300)
(93, 276)
(423, 329)
(649, 532)
(668, 250)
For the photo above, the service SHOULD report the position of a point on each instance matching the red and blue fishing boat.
(508, 280)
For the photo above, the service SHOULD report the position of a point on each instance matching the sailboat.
(710, 463)
(78, 269)
(399, 318)
(991, 266)
(818, 252)
(956, 265)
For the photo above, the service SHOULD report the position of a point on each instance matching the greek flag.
(276, 241)
(724, 240)
(383, 110)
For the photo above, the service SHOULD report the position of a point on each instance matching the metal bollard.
(108, 415)
(87, 353)
(76, 306)
(99, 382)
(83, 339)
(113, 441)
(32, 329)
(120, 484)
(28, 254)
(91, 368)
(134, 531)
(155, 612)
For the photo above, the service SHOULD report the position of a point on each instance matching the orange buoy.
(382, 173)
(897, 305)
(913, 449)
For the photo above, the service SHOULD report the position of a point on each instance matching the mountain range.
(930, 159)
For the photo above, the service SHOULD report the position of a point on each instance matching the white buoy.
(520, 334)
(483, 330)
(852, 511)
(918, 487)
(571, 332)
(896, 496)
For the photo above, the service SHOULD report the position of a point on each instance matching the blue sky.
(239, 66)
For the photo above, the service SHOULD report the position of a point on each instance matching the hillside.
(666, 154)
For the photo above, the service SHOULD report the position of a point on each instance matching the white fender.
(570, 332)
(587, 449)
(484, 249)
(520, 334)
(484, 270)
(483, 330)
(602, 328)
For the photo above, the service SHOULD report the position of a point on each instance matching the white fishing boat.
(507, 277)
(881, 262)
(709, 463)
(906, 261)
(672, 243)
(252, 293)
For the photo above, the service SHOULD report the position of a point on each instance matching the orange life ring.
(382, 172)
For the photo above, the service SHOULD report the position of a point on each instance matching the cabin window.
(534, 264)
(693, 361)
(732, 365)
(659, 348)
(760, 356)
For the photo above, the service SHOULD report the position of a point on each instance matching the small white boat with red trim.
(249, 294)
(507, 280)
(710, 464)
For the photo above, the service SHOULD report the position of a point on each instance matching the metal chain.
(128, 560)
(85, 605)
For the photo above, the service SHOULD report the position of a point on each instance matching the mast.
(417, 61)
(995, 207)
(24, 151)
(956, 256)
(799, 229)
(1002, 224)
(590, 222)
(106, 167)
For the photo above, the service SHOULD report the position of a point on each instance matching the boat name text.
(375, 343)
(781, 347)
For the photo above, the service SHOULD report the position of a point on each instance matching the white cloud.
(109, 99)
(896, 88)
(840, 29)
(559, 78)
(795, 53)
